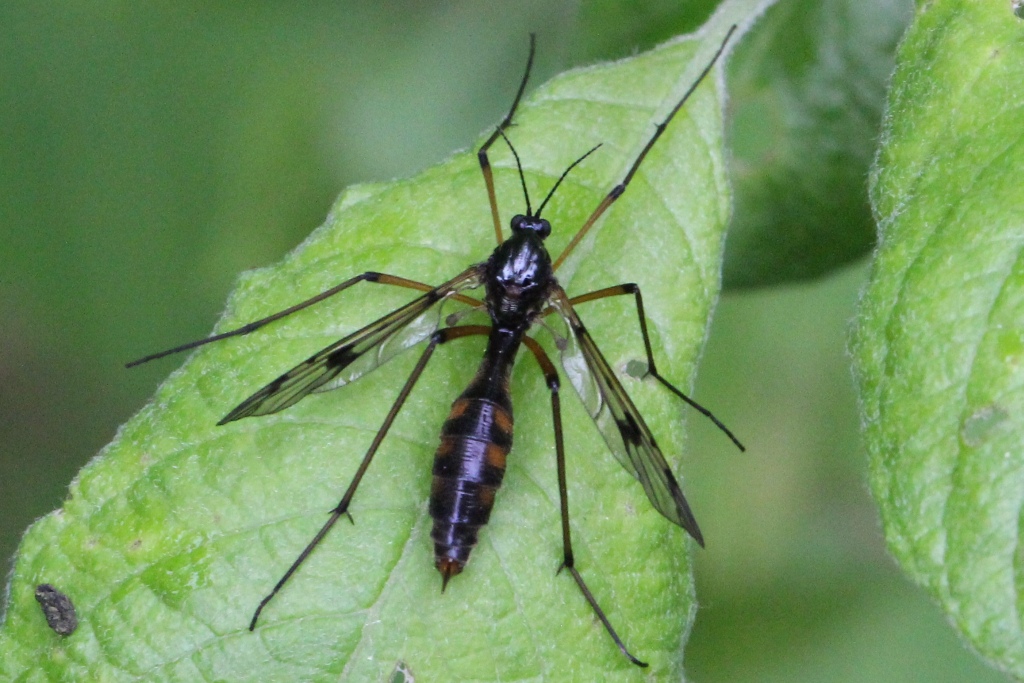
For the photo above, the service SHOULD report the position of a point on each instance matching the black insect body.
(520, 289)
(477, 436)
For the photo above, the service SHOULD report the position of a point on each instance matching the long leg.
(652, 370)
(568, 562)
(481, 155)
(617, 191)
(439, 337)
(370, 276)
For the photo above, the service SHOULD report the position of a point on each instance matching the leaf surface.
(939, 343)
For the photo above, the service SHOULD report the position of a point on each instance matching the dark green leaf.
(806, 96)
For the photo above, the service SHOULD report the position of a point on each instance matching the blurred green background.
(148, 154)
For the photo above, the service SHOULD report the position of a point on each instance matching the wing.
(351, 357)
(619, 421)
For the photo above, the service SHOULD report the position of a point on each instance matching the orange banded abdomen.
(468, 468)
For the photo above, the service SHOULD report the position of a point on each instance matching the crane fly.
(520, 290)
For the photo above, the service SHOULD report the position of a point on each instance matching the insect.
(57, 608)
(520, 290)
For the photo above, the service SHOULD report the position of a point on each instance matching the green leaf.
(807, 90)
(170, 537)
(940, 337)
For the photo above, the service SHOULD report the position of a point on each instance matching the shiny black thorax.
(518, 275)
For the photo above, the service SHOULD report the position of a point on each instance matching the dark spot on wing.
(340, 358)
(630, 429)
(673, 485)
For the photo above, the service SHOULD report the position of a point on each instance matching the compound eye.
(543, 228)
(517, 221)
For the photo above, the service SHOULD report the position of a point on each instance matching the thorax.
(519, 281)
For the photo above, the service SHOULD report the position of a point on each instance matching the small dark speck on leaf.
(977, 427)
(636, 369)
(57, 608)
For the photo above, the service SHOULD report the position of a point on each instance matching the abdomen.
(468, 468)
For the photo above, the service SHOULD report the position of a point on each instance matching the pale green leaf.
(940, 335)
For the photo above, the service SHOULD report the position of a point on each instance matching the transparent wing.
(618, 420)
(351, 357)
